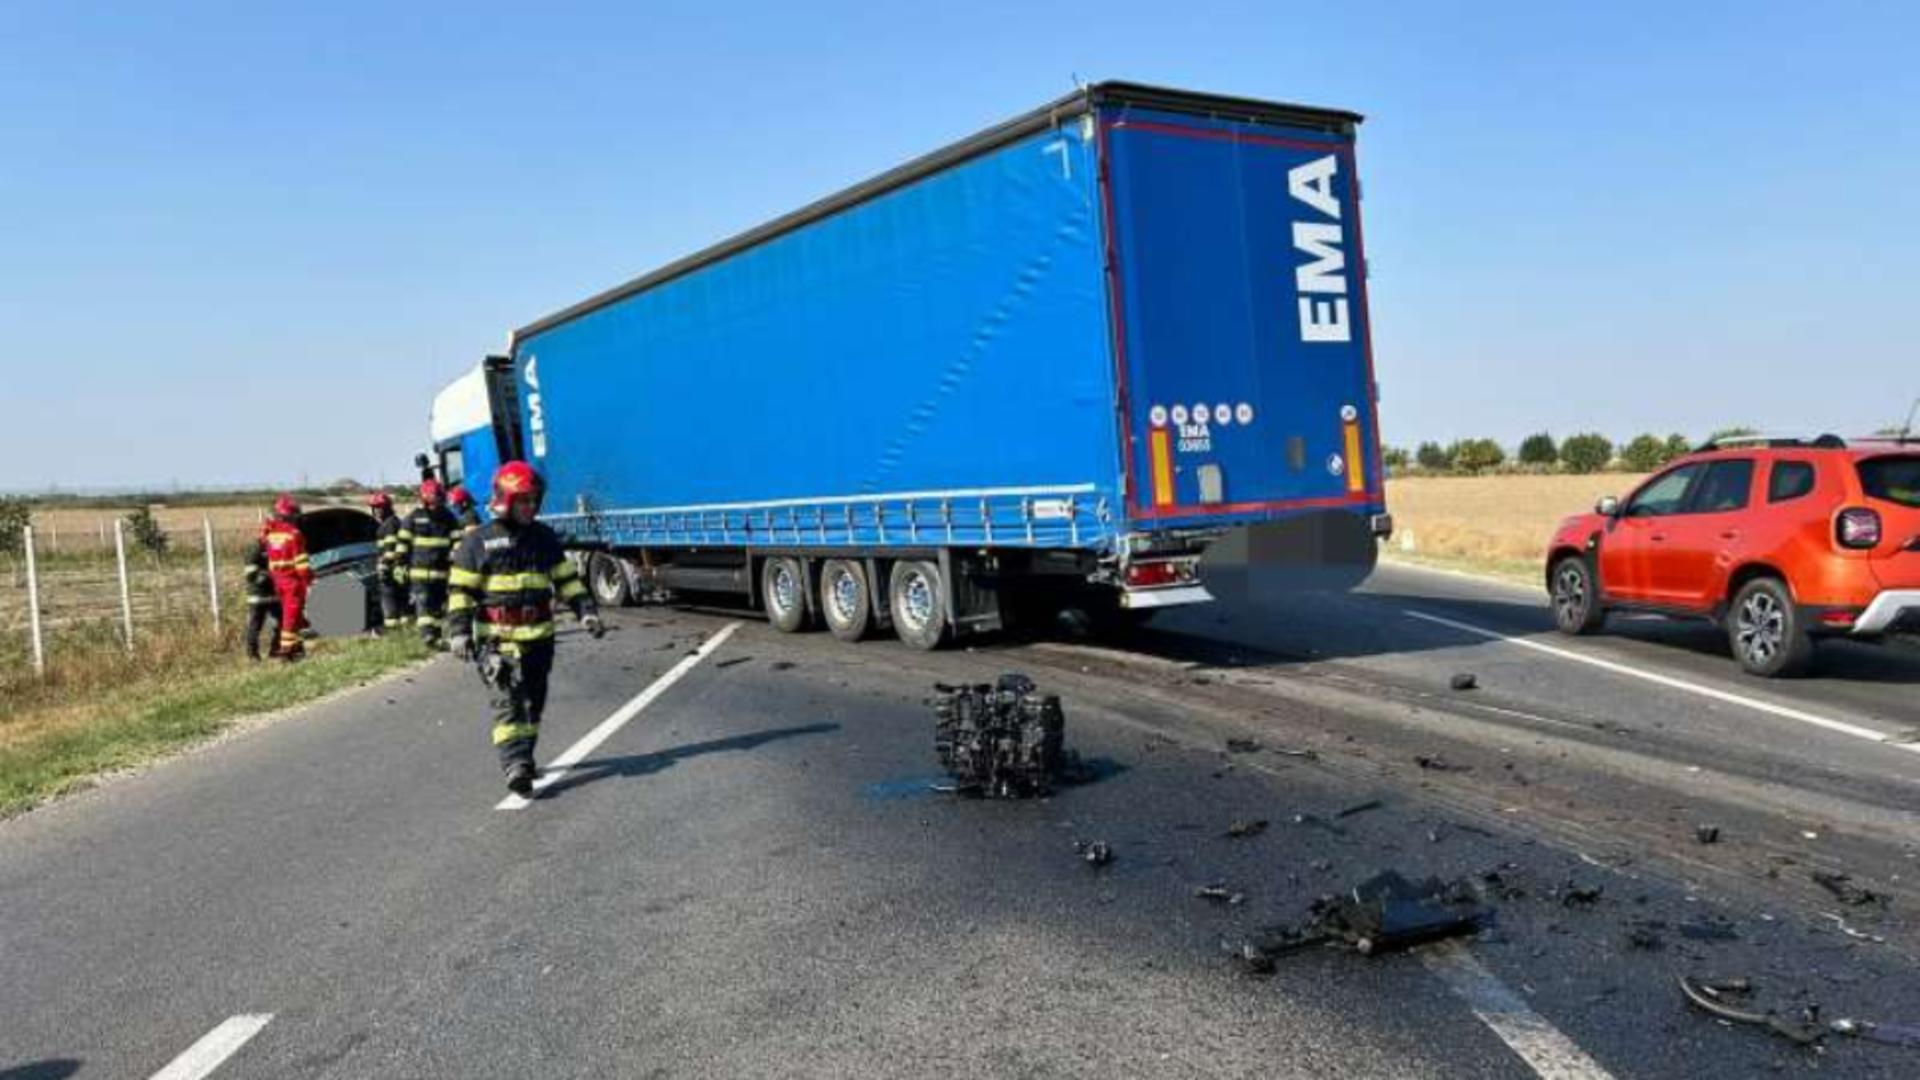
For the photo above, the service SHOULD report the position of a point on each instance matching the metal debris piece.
(1220, 894)
(1000, 740)
(1243, 746)
(1436, 763)
(730, 662)
(783, 665)
(1858, 935)
(1360, 808)
(1844, 890)
(1707, 834)
(1288, 751)
(1645, 935)
(1242, 829)
(1465, 680)
(1802, 1032)
(1095, 853)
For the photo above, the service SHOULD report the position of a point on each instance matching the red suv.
(1778, 540)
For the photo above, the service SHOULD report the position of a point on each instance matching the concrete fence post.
(126, 593)
(213, 577)
(33, 607)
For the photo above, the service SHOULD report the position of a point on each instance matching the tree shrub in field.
(1539, 450)
(147, 533)
(1678, 446)
(1395, 458)
(15, 516)
(1433, 457)
(1645, 453)
(1477, 455)
(1587, 453)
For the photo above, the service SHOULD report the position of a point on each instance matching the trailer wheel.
(846, 598)
(608, 581)
(783, 589)
(918, 604)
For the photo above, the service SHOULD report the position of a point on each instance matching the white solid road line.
(214, 1047)
(605, 729)
(1545, 1048)
(1768, 707)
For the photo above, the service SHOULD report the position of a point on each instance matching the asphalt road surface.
(746, 871)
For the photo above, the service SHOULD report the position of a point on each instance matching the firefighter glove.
(594, 626)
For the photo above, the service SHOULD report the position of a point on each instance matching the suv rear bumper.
(1888, 608)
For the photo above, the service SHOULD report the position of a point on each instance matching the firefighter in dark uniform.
(394, 609)
(463, 511)
(429, 534)
(263, 603)
(505, 579)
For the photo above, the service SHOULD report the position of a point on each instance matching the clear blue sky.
(246, 242)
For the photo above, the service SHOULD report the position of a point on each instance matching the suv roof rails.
(1727, 442)
(1912, 439)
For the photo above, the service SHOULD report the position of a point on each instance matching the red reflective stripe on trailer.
(1248, 507)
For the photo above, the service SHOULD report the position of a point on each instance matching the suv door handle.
(1730, 534)
(1658, 538)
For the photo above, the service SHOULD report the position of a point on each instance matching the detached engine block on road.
(1001, 740)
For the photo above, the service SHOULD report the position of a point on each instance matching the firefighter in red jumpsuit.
(287, 562)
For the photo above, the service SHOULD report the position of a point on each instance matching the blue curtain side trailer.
(1046, 365)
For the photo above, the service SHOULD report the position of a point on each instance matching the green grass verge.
(126, 729)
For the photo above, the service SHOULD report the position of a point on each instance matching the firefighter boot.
(520, 776)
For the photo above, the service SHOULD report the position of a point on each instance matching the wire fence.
(82, 587)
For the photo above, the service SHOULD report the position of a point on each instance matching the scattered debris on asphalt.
(1095, 853)
(1707, 834)
(1888, 1034)
(1436, 763)
(1245, 828)
(1501, 883)
(783, 665)
(1243, 746)
(1644, 934)
(732, 661)
(1381, 914)
(1573, 894)
(1220, 894)
(1360, 808)
(1002, 739)
(1857, 935)
(1287, 751)
(1711, 998)
(1844, 890)
(1465, 680)
(1709, 928)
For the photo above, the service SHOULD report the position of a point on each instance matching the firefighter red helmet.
(430, 492)
(380, 500)
(457, 495)
(285, 508)
(514, 479)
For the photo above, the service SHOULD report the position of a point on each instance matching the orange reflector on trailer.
(1356, 461)
(1160, 447)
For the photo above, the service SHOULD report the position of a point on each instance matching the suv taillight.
(1857, 528)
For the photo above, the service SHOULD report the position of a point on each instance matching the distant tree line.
(1587, 452)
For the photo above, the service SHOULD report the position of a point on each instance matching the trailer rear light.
(1148, 575)
(1857, 528)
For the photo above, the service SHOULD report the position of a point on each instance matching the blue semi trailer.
(1044, 366)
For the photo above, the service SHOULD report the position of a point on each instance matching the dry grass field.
(1496, 524)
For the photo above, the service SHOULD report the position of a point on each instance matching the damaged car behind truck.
(1043, 367)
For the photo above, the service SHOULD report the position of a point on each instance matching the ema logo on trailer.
(536, 416)
(1320, 320)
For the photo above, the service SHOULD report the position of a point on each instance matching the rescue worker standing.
(262, 603)
(463, 511)
(394, 611)
(505, 578)
(429, 533)
(286, 549)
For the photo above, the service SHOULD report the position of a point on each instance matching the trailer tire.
(608, 580)
(846, 598)
(918, 603)
(783, 592)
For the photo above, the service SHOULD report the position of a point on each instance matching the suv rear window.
(1895, 479)
(1725, 487)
